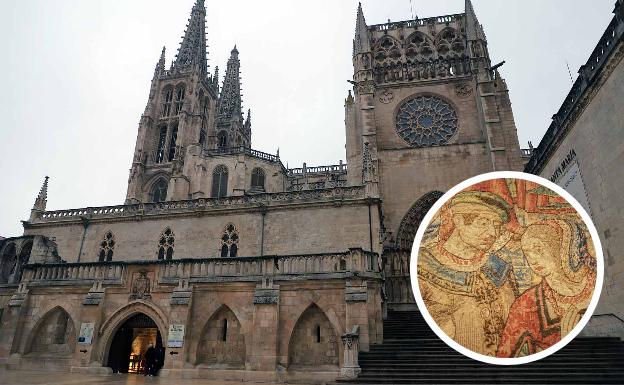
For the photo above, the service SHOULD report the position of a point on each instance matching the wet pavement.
(22, 377)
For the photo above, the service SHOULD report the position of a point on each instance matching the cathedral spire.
(361, 43)
(42, 198)
(192, 51)
(474, 30)
(229, 106)
(160, 66)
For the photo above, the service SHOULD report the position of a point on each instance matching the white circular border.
(599, 268)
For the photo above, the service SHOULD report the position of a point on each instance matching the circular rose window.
(425, 121)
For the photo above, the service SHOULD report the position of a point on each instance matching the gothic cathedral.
(235, 265)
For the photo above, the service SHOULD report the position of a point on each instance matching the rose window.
(425, 121)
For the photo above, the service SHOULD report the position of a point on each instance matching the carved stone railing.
(417, 22)
(312, 266)
(241, 269)
(243, 150)
(74, 273)
(571, 107)
(526, 152)
(331, 169)
(199, 205)
(422, 70)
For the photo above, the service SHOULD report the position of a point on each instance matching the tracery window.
(449, 42)
(166, 244)
(418, 45)
(425, 121)
(107, 247)
(257, 179)
(219, 181)
(166, 111)
(229, 242)
(387, 51)
(179, 100)
(159, 191)
(222, 139)
(172, 142)
(162, 138)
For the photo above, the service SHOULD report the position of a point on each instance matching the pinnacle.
(192, 51)
(42, 198)
(361, 42)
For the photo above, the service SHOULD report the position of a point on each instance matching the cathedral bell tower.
(178, 118)
(428, 110)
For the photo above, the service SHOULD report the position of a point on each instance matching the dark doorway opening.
(128, 349)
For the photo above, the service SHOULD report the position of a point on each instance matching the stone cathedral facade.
(242, 268)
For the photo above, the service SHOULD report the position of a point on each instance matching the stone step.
(412, 354)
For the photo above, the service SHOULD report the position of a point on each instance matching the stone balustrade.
(329, 169)
(313, 266)
(199, 205)
(73, 273)
(416, 22)
(241, 269)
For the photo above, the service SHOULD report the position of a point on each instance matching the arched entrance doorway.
(127, 353)
(398, 284)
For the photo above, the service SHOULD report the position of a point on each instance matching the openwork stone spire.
(361, 42)
(474, 30)
(192, 51)
(230, 103)
(160, 66)
(42, 198)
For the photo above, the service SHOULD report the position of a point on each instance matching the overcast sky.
(75, 77)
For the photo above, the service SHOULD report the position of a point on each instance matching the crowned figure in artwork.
(561, 256)
(465, 283)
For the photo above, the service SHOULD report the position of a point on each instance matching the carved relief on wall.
(141, 286)
(506, 268)
(463, 89)
(386, 96)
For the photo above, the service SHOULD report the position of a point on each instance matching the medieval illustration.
(506, 268)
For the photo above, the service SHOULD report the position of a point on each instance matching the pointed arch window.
(229, 242)
(166, 244)
(179, 99)
(162, 138)
(257, 179)
(222, 139)
(219, 181)
(168, 98)
(159, 191)
(107, 247)
(172, 142)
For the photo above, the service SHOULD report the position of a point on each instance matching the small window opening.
(224, 330)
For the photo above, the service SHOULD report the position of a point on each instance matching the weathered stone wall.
(284, 329)
(290, 230)
(597, 140)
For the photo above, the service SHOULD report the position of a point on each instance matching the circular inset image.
(507, 268)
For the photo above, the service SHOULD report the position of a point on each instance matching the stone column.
(351, 341)
(180, 302)
(11, 326)
(85, 355)
(264, 346)
(356, 298)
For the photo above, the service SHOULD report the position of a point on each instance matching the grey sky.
(75, 78)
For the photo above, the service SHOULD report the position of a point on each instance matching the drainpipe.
(85, 224)
(370, 224)
(263, 211)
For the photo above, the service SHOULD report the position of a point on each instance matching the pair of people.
(151, 360)
(469, 286)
